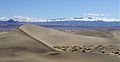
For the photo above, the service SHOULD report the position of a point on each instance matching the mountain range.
(33, 19)
(62, 23)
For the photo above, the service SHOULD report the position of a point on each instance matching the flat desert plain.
(31, 43)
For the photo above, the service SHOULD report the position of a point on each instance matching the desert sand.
(31, 43)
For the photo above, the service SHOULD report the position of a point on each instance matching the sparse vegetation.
(92, 49)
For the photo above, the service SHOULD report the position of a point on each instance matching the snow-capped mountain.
(85, 19)
(29, 19)
(23, 19)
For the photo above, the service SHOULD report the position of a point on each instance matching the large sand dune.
(30, 43)
(54, 37)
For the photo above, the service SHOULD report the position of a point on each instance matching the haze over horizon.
(60, 8)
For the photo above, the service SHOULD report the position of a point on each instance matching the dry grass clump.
(92, 49)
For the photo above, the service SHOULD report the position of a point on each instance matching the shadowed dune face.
(17, 40)
(30, 43)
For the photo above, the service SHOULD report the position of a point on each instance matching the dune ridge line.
(22, 28)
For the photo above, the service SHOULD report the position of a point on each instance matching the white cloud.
(4, 18)
(93, 14)
(29, 19)
(102, 14)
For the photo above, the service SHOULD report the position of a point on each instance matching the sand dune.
(116, 34)
(19, 40)
(30, 43)
(111, 35)
(54, 37)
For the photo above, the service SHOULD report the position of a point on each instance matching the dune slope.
(54, 37)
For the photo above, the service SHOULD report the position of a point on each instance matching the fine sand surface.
(111, 35)
(3, 32)
(30, 43)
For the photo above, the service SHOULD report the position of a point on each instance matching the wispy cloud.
(93, 14)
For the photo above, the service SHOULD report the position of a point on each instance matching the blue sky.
(59, 8)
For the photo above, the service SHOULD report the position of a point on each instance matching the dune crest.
(54, 37)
